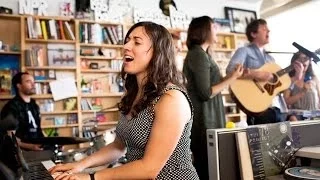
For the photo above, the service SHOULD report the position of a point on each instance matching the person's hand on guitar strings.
(257, 75)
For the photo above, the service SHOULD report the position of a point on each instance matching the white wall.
(299, 25)
(213, 8)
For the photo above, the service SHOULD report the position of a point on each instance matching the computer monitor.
(222, 148)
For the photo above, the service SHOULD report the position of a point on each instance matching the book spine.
(53, 29)
(44, 29)
(29, 24)
(38, 29)
(115, 34)
(86, 34)
(110, 33)
(63, 37)
(49, 33)
(58, 30)
(69, 30)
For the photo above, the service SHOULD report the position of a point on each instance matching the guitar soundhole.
(274, 79)
(272, 84)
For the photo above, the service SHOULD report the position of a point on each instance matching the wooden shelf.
(52, 67)
(99, 58)
(42, 96)
(10, 16)
(59, 126)
(233, 115)
(230, 104)
(44, 81)
(102, 123)
(58, 41)
(101, 45)
(225, 34)
(107, 110)
(99, 71)
(223, 50)
(98, 22)
(171, 30)
(10, 53)
(63, 18)
(6, 96)
(58, 112)
(102, 95)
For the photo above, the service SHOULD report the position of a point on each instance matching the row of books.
(91, 104)
(35, 56)
(53, 55)
(97, 34)
(49, 29)
(42, 88)
(5, 81)
(116, 64)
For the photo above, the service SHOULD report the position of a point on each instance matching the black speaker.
(5, 10)
(82, 5)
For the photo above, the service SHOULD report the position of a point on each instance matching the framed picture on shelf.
(51, 74)
(239, 18)
(61, 55)
(223, 25)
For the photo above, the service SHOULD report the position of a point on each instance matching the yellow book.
(44, 29)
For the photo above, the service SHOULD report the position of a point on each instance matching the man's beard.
(29, 92)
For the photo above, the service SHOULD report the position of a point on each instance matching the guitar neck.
(284, 71)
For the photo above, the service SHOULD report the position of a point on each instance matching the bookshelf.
(37, 56)
(105, 53)
(45, 44)
(10, 58)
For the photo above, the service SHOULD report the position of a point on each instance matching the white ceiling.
(272, 7)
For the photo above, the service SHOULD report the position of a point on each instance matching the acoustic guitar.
(254, 96)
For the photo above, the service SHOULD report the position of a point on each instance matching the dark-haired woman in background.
(205, 84)
(156, 115)
(303, 94)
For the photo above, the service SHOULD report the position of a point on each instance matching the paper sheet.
(63, 89)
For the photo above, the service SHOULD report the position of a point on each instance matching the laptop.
(31, 169)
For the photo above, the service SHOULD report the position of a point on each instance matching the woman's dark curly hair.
(160, 71)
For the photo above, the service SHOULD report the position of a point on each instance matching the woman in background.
(205, 84)
(156, 115)
(304, 93)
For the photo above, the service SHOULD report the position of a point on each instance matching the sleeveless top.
(309, 101)
(134, 133)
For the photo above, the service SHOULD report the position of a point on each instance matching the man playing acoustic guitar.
(253, 57)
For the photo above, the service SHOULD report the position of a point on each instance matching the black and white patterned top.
(135, 134)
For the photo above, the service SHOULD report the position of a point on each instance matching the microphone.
(306, 52)
(8, 123)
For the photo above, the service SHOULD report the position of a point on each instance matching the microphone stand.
(278, 52)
